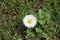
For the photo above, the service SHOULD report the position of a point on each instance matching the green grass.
(12, 13)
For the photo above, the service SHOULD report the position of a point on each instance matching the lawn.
(46, 12)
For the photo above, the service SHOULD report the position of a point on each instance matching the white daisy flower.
(29, 21)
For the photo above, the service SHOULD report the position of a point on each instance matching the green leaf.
(41, 17)
(38, 30)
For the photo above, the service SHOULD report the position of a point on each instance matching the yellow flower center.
(29, 21)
